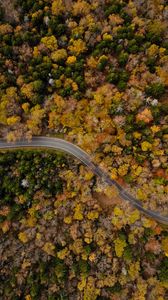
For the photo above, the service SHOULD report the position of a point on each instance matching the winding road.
(60, 144)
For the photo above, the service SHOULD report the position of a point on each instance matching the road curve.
(60, 144)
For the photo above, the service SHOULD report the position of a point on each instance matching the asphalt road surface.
(62, 145)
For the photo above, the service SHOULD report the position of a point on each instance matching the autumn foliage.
(94, 73)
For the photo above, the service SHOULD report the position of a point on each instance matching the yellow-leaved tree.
(58, 7)
(50, 42)
(80, 7)
(77, 46)
(8, 105)
(34, 123)
(58, 55)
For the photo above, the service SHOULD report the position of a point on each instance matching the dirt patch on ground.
(106, 202)
(10, 12)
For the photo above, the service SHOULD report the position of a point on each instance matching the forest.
(95, 73)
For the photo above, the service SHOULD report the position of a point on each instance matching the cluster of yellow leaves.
(88, 236)
(120, 244)
(92, 62)
(77, 246)
(36, 52)
(165, 245)
(23, 237)
(20, 80)
(148, 223)
(48, 215)
(156, 26)
(50, 42)
(82, 283)
(107, 37)
(121, 136)
(11, 137)
(68, 220)
(155, 128)
(90, 21)
(58, 7)
(153, 50)
(5, 226)
(116, 149)
(28, 297)
(69, 82)
(38, 236)
(146, 146)
(134, 216)
(92, 215)
(92, 257)
(158, 152)
(113, 174)
(141, 194)
(58, 55)
(49, 248)
(35, 119)
(88, 176)
(27, 90)
(118, 211)
(71, 60)
(31, 221)
(90, 290)
(134, 269)
(78, 215)
(25, 107)
(11, 92)
(131, 238)
(119, 218)
(77, 46)
(33, 209)
(108, 280)
(63, 253)
(123, 169)
(137, 135)
(100, 237)
(140, 293)
(137, 171)
(59, 102)
(162, 73)
(78, 31)
(80, 7)
(9, 97)
(13, 120)
(53, 120)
